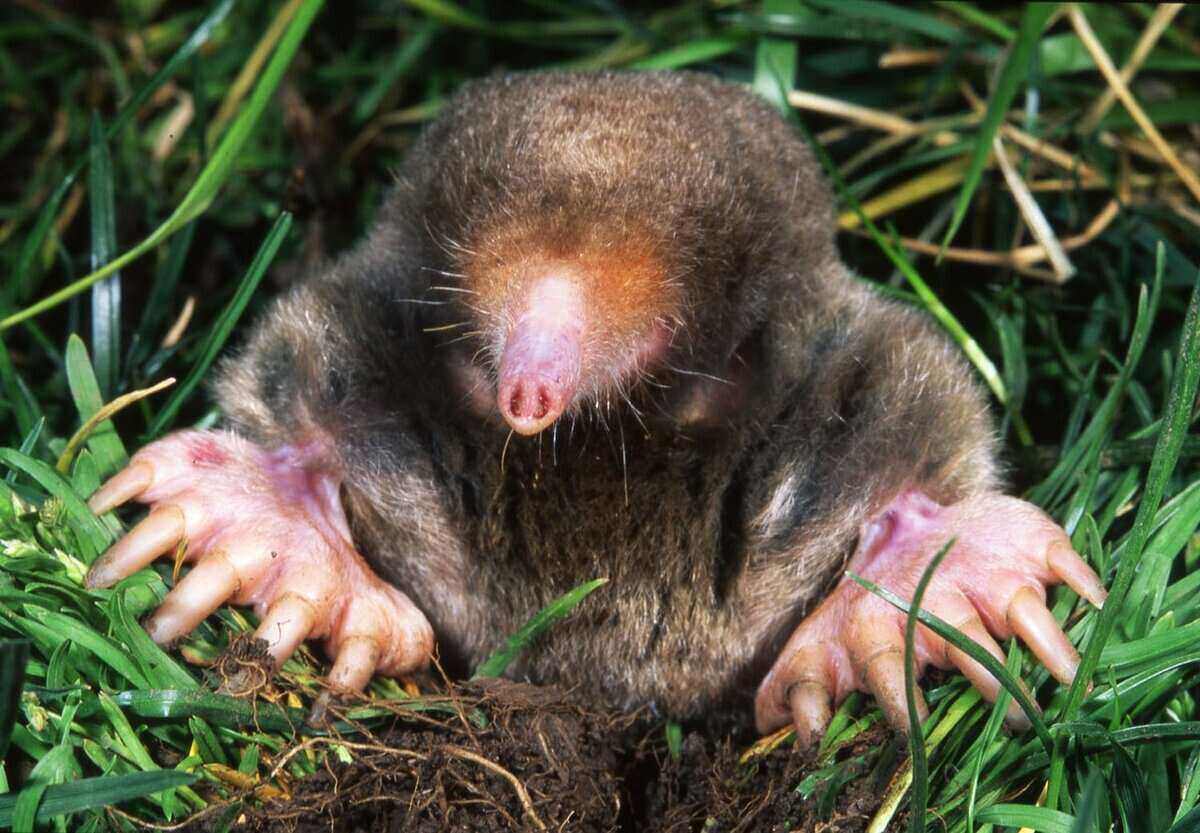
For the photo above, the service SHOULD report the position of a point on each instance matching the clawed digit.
(261, 549)
(990, 585)
(160, 532)
(122, 487)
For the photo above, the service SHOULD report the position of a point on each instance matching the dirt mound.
(503, 756)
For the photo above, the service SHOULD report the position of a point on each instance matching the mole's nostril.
(514, 404)
(543, 403)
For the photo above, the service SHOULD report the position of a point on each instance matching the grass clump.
(1025, 174)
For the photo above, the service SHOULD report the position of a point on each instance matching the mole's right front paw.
(264, 529)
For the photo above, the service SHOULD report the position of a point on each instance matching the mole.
(600, 328)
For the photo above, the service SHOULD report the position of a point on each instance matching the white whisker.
(701, 375)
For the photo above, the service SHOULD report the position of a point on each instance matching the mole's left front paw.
(992, 583)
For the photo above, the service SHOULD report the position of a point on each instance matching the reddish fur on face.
(628, 298)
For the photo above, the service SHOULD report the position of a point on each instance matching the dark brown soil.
(709, 789)
(545, 761)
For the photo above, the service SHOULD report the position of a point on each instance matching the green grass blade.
(1085, 815)
(28, 442)
(211, 177)
(895, 15)
(496, 664)
(218, 709)
(102, 791)
(25, 807)
(135, 748)
(1190, 823)
(990, 732)
(106, 295)
(692, 52)
(674, 734)
(104, 442)
(971, 13)
(972, 649)
(1146, 733)
(19, 287)
(1020, 815)
(919, 801)
(107, 651)
(225, 322)
(1125, 655)
(236, 713)
(1189, 782)
(450, 14)
(211, 751)
(1152, 763)
(1014, 72)
(775, 59)
(159, 667)
(1150, 586)
(1130, 791)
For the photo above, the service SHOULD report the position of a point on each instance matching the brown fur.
(722, 494)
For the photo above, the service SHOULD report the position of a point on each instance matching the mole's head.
(592, 230)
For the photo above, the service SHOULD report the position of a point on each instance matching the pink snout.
(542, 358)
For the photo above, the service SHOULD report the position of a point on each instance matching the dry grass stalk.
(173, 127)
(1109, 71)
(1091, 183)
(934, 181)
(251, 70)
(868, 116)
(181, 323)
(70, 208)
(1163, 15)
(1051, 153)
(1032, 214)
(1020, 258)
(903, 56)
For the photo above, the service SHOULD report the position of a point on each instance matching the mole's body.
(636, 276)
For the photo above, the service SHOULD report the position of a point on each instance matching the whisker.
(464, 337)
(445, 327)
(624, 463)
(637, 414)
(444, 272)
(647, 377)
(504, 451)
(701, 375)
(453, 288)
